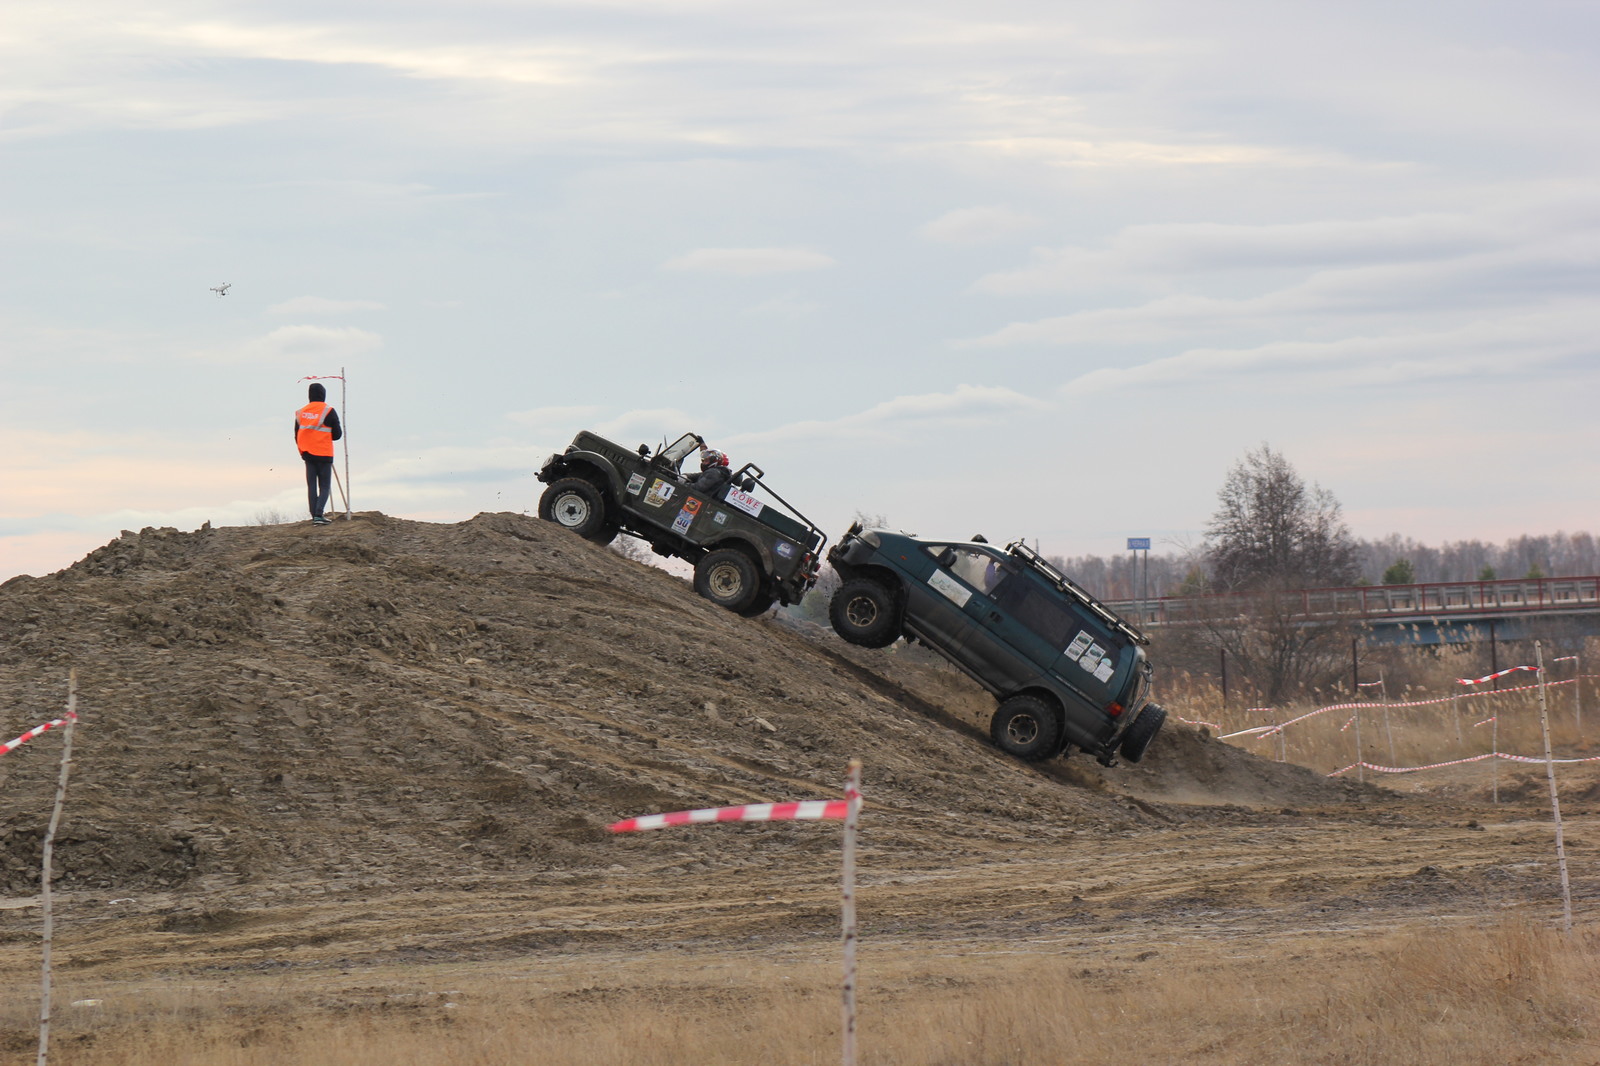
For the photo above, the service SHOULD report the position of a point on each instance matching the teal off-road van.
(750, 548)
(1066, 670)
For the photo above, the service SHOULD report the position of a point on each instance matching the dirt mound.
(384, 703)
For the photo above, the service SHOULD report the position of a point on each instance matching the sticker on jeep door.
(745, 502)
(660, 492)
(954, 591)
(635, 483)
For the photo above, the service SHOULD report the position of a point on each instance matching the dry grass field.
(1493, 992)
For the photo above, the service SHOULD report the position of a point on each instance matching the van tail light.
(1113, 709)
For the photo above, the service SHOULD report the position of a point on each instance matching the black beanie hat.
(317, 392)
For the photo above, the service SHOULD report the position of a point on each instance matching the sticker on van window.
(1104, 671)
(1079, 642)
(954, 591)
(635, 483)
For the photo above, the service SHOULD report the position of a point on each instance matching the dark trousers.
(319, 482)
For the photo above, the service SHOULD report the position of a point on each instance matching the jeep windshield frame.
(674, 452)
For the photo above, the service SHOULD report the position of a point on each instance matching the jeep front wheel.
(1142, 731)
(728, 578)
(863, 613)
(1027, 727)
(574, 503)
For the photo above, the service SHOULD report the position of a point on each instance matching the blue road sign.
(1138, 544)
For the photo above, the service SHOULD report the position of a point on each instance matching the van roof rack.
(1076, 591)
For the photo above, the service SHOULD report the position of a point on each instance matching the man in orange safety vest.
(316, 427)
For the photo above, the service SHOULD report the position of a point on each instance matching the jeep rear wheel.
(863, 612)
(1142, 731)
(728, 578)
(574, 503)
(763, 602)
(1027, 727)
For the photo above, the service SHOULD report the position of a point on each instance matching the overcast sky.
(1044, 271)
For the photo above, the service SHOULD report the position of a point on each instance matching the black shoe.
(320, 521)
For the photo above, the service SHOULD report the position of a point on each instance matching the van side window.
(1036, 609)
(978, 569)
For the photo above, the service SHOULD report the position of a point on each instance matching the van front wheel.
(863, 613)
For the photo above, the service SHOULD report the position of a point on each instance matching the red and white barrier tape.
(1262, 730)
(1454, 762)
(806, 810)
(1491, 677)
(1196, 721)
(13, 745)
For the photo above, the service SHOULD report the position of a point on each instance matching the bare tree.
(1272, 531)
(1270, 537)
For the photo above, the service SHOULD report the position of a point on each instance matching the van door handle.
(994, 616)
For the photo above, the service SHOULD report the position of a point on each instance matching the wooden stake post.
(45, 872)
(1555, 800)
(852, 795)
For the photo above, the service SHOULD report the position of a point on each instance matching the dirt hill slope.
(385, 703)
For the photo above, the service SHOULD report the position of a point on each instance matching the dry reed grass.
(1447, 996)
(1400, 736)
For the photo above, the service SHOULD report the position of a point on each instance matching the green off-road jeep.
(1067, 671)
(747, 554)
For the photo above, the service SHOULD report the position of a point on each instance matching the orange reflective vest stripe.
(313, 437)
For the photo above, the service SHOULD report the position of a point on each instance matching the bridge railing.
(1426, 599)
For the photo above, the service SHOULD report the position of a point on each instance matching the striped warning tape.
(1454, 762)
(806, 810)
(1491, 677)
(12, 745)
(1262, 730)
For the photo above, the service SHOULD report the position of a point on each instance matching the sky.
(1042, 270)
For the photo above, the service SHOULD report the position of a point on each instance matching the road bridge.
(1435, 612)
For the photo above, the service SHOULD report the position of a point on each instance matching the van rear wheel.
(1026, 727)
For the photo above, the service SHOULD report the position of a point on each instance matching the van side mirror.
(947, 557)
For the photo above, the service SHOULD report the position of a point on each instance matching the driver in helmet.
(714, 472)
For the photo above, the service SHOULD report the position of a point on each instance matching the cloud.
(652, 425)
(1396, 290)
(1509, 347)
(541, 417)
(302, 342)
(1140, 251)
(977, 225)
(318, 305)
(749, 261)
(906, 416)
(790, 306)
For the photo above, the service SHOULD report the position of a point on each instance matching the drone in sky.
(222, 290)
